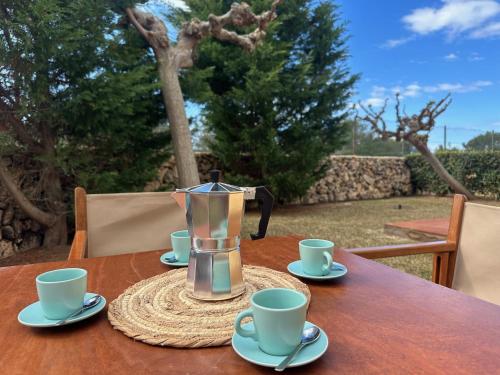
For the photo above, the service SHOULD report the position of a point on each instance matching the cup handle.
(241, 331)
(329, 261)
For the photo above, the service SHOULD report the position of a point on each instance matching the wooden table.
(379, 321)
(420, 230)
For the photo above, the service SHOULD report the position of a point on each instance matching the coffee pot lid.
(214, 186)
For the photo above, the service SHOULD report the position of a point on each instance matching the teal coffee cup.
(278, 316)
(61, 292)
(181, 244)
(316, 256)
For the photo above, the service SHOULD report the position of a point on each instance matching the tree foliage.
(487, 141)
(275, 113)
(479, 171)
(79, 95)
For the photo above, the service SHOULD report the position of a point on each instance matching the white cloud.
(474, 56)
(496, 124)
(488, 31)
(457, 87)
(378, 91)
(453, 17)
(377, 97)
(451, 57)
(379, 94)
(374, 102)
(420, 62)
(392, 43)
(412, 90)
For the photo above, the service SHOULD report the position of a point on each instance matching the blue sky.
(425, 49)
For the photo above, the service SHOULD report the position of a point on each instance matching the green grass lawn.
(358, 224)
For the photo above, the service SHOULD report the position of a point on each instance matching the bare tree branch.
(239, 15)
(150, 27)
(415, 129)
(375, 118)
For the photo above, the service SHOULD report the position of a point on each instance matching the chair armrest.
(78, 246)
(400, 250)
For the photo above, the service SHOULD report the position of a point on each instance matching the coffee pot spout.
(180, 198)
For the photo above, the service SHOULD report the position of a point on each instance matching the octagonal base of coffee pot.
(215, 275)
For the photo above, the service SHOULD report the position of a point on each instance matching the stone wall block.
(8, 215)
(7, 248)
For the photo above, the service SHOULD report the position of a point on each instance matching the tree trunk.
(23, 202)
(57, 234)
(456, 186)
(55, 223)
(179, 127)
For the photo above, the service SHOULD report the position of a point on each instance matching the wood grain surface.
(379, 321)
(420, 230)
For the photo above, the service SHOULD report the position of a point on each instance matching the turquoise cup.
(61, 292)
(181, 244)
(278, 316)
(316, 256)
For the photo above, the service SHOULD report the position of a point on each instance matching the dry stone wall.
(346, 178)
(168, 177)
(360, 177)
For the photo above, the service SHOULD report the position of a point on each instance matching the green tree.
(173, 57)
(276, 113)
(79, 96)
(487, 141)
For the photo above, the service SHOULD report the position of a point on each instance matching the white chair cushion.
(477, 270)
(131, 222)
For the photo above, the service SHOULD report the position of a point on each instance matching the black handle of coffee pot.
(266, 200)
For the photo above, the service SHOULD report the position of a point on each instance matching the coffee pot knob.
(214, 175)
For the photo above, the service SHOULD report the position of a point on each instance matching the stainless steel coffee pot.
(214, 213)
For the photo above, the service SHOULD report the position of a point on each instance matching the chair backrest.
(131, 222)
(477, 267)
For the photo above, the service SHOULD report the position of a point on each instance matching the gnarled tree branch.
(415, 129)
(150, 27)
(239, 15)
(29, 208)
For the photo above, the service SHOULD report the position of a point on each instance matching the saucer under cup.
(181, 245)
(338, 270)
(278, 315)
(61, 292)
(32, 315)
(169, 259)
(249, 350)
(316, 256)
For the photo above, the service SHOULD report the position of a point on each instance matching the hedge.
(479, 171)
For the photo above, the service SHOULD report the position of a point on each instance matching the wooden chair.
(110, 224)
(468, 260)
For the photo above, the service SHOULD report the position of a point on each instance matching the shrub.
(479, 171)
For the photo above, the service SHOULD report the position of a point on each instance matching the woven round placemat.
(158, 311)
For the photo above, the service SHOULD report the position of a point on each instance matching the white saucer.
(32, 315)
(295, 268)
(248, 349)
